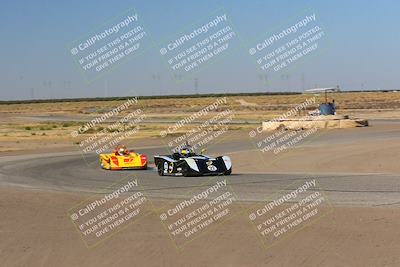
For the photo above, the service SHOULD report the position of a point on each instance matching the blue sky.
(360, 50)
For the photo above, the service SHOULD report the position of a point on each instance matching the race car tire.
(185, 170)
(188, 172)
(228, 172)
(102, 165)
(160, 169)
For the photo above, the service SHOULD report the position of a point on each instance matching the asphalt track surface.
(73, 172)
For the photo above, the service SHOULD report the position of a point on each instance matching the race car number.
(212, 168)
(168, 167)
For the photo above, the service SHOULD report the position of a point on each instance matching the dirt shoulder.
(36, 231)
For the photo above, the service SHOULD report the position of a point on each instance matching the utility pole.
(196, 86)
(264, 79)
(105, 88)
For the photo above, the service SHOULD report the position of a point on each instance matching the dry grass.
(366, 100)
(17, 124)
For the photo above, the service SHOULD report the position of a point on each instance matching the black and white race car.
(188, 163)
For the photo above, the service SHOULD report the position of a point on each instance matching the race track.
(75, 173)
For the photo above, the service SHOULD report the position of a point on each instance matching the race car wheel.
(102, 165)
(160, 169)
(228, 172)
(185, 170)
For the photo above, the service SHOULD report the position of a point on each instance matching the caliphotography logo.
(199, 211)
(108, 131)
(199, 45)
(97, 219)
(109, 45)
(289, 212)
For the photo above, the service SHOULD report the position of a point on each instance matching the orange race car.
(123, 159)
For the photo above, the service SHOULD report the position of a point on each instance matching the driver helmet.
(121, 150)
(186, 150)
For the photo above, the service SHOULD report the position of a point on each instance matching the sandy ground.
(358, 154)
(35, 231)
